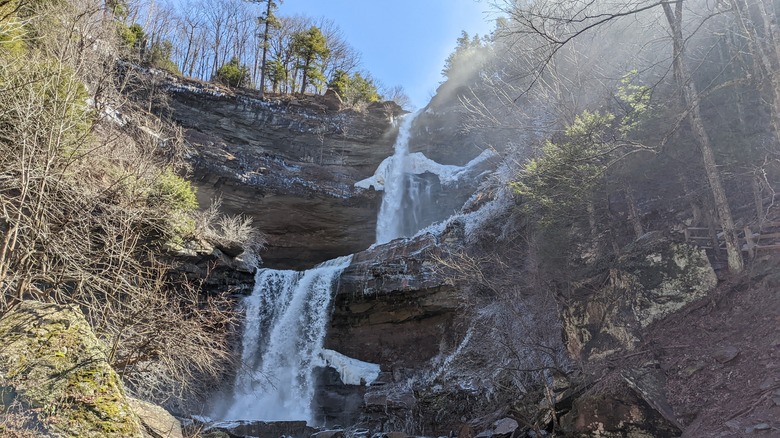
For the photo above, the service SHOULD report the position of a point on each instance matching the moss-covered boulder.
(54, 374)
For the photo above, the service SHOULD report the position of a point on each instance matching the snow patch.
(352, 371)
(417, 164)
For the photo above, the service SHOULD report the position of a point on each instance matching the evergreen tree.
(277, 73)
(465, 46)
(311, 48)
(340, 83)
(363, 89)
(269, 20)
(355, 89)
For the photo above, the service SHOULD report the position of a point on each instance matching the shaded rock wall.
(607, 312)
(605, 322)
(391, 307)
(394, 308)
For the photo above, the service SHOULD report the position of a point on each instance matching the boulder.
(157, 422)
(627, 404)
(240, 429)
(332, 100)
(338, 433)
(388, 108)
(505, 427)
(53, 368)
(655, 277)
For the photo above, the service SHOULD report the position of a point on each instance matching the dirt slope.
(721, 356)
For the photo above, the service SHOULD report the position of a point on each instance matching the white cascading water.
(287, 314)
(390, 222)
(286, 320)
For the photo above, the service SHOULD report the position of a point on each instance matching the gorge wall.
(446, 345)
(289, 163)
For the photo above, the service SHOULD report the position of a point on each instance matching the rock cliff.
(394, 304)
(289, 163)
(448, 351)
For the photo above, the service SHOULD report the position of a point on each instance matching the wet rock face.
(289, 164)
(241, 429)
(391, 307)
(336, 404)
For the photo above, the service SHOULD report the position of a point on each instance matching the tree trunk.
(304, 76)
(633, 212)
(755, 185)
(690, 98)
(765, 56)
(265, 47)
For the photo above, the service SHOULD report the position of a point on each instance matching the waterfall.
(286, 321)
(390, 222)
(287, 313)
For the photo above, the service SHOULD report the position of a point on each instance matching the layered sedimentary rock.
(391, 306)
(290, 164)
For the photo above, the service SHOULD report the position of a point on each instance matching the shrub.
(172, 191)
(229, 231)
(159, 56)
(355, 90)
(233, 74)
(130, 37)
(86, 204)
(174, 198)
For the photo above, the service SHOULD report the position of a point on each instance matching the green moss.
(174, 192)
(53, 361)
(11, 31)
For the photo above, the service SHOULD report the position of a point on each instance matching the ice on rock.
(351, 371)
(417, 163)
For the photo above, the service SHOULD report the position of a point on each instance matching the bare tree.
(342, 55)
(551, 26)
(398, 95)
(88, 202)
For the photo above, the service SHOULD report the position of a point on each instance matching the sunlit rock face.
(289, 164)
(50, 358)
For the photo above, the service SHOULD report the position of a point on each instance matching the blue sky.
(402, 42)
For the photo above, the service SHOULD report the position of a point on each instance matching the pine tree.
(465, 45)
(311, 48)
(269, 20)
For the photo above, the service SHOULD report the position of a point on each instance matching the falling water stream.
(287, 317)
(390, 222)
(286, 320)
